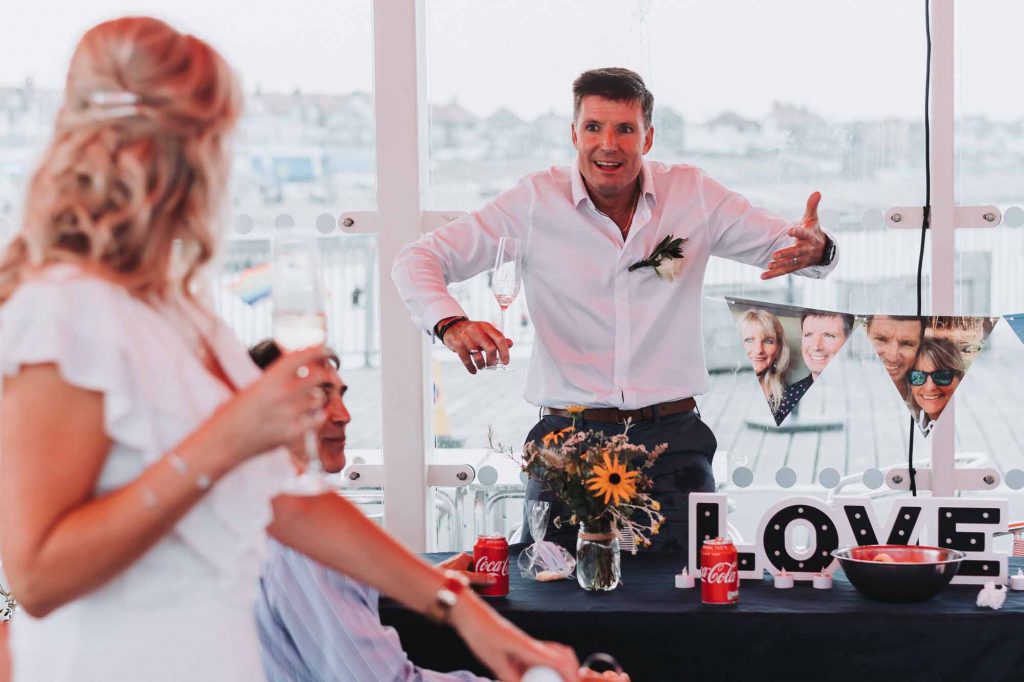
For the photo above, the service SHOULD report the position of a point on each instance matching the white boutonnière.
(666, 259)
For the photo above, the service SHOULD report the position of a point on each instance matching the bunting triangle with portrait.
(927, 357)
(788, 347)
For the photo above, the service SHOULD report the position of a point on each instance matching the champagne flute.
(506, 279)
(300, 322)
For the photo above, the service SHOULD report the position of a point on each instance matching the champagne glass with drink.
(300, 322)
(506, 279)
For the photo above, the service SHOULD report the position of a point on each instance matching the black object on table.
(658, 632)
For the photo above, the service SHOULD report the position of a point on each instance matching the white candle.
(685, 581)
(822, 581)
(783, 581)
(1017, 581)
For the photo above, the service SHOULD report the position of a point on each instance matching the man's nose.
(608, 139)
(336, 411)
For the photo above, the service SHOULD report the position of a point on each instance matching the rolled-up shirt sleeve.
(748, 234)
(456, 252)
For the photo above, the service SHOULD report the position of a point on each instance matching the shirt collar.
(579, 190)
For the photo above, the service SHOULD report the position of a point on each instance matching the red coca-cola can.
(719, 572)
(490, 555)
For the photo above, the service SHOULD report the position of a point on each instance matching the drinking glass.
(299, 322)
(506, 279)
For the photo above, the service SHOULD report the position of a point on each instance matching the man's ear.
(648, 139)
(572, 128)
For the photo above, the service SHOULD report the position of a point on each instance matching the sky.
(845, 59)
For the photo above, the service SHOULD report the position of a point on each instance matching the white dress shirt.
(605, 337)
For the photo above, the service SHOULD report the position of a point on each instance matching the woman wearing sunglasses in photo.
(936, 374)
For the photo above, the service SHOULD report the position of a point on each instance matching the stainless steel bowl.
(916, 573)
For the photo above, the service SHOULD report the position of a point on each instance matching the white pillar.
(400, 110)
(943, 229)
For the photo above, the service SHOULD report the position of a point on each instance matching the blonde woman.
(765, 344)
(141, 447)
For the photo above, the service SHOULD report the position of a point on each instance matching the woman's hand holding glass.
(276, 410)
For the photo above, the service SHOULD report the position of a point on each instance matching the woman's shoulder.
(65, 280)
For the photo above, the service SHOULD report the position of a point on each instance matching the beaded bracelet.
(203, 481)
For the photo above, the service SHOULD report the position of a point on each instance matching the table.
(661, 633)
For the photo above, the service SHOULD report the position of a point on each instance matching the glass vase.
(598, 568)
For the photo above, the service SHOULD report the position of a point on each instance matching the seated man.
(316, 623)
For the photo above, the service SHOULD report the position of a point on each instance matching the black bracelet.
(447, 325)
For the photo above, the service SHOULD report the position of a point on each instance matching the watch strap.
(828, 254)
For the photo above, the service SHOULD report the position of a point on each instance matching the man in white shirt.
(618, 322)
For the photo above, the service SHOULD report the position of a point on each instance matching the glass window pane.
(990, 171)
(761, 98)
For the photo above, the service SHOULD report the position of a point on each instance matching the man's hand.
(809, 248)
(478, 344)
(461, 563)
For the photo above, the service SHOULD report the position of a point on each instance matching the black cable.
(926, 217)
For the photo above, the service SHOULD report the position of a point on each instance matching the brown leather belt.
(614, 415)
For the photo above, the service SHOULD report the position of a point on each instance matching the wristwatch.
(828, 254)
(448, 596)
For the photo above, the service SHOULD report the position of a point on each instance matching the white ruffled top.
(183, 611)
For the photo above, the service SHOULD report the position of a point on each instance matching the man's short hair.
(845, 318)
(616, 84)
(266, 352)
(922, 322)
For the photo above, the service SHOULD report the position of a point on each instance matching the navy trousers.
(684, 468)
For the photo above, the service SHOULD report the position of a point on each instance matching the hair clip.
(115, 97)
(113, 104)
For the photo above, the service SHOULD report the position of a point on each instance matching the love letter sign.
(957, 523)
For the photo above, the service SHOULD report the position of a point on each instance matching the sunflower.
(575, 409)
(613, 481)
(557, 436)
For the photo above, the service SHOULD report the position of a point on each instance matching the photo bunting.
(788, 347)
(927, 357)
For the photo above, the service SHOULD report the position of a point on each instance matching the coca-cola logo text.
(486, 565)
(722, 573)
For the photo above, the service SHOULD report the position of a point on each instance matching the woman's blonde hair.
(138, 160)
(773, 378)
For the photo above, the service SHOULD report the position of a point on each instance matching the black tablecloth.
(659, 632)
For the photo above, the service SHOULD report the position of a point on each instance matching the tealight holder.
(821, 581)
(783, 581)
(685, 581)
(1017, 581)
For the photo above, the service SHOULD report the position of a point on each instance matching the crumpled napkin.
(992, 596)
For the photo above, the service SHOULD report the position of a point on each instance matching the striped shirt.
(317, 624)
